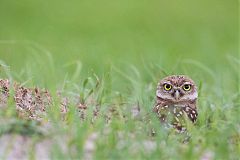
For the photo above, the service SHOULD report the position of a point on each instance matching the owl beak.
(177, 94)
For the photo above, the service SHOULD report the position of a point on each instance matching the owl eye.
(186, 87)
(167, 87)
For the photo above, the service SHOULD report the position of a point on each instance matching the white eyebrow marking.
(187, 83)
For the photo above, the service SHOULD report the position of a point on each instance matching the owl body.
(176, 101)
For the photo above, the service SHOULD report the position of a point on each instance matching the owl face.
(177, 89)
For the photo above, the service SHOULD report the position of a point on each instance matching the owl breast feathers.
(176, 99)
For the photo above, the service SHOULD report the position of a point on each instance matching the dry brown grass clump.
(30, 102)
(4, 92)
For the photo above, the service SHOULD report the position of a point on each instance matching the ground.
(100, 62)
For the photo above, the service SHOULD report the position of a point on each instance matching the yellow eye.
(167, 87)
(187, 87)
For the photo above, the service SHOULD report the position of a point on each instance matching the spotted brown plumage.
(176, 101)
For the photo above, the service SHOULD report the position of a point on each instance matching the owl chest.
(171, 112)
(176, 114)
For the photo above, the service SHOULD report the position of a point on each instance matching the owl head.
(177, 89)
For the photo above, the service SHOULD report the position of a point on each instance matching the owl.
(176, 101)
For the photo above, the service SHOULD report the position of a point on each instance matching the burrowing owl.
(176, 98)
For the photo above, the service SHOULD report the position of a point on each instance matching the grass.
(111, 55)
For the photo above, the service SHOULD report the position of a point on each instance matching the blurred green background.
(129, 45)
(55, 37)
